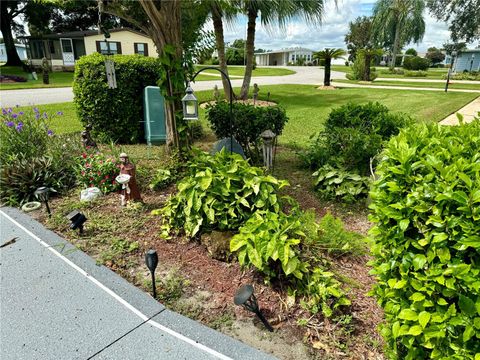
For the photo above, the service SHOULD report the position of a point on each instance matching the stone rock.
(218, 244)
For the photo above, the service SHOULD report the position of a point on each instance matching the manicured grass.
(259, 71)
(57, 79)
(436, 85)
(308, 108)
(382, 71)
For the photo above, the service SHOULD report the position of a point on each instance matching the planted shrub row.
(426, 211)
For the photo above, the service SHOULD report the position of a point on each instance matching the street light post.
(190, 102)
(454, 53)
(472, 58)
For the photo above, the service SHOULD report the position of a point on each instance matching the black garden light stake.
(454, 53)
(245, 297)
(43, 194)
(77, 220)
(151, 260)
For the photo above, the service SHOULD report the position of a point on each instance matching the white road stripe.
(119, 298)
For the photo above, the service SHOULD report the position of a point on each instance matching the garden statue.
(216, 93)
(87, 140)
(127, 179)
(45, 69)
(255, 93)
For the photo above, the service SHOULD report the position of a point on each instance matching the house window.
(141, 48)
(51, 46)
(103, 47)
(36, 47)
(293, 57)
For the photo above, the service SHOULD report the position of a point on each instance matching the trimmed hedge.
(426, 211)
(115, 114)
(416, 63)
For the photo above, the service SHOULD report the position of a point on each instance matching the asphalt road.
(56, 303)
(304, 75)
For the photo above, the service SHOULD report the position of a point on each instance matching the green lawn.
(57, 79)
(307, 107)
(65, 123)
(436, 85)
(259, 71)
(382, 71)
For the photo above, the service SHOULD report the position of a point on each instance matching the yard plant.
(426, 211)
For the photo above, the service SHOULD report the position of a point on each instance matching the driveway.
(57, 303)
(306, 75)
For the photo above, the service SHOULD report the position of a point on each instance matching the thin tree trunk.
(326, 77)
(368, 60)
(396, 45)
(250, 46)
(6, 27)
(220, 44)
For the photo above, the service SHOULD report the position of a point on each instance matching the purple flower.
(49, 132)
(14, 116)
(45, 115)
(19, 126)
(10, 124)
(4, 112)
(21, 113)
(9, 110)
(37, 116)
(60, 113)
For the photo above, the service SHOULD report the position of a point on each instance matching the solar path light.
(77, 220)
(151, 260)
(43, 194)
(244, 297)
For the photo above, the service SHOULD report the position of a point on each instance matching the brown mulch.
(260, 103)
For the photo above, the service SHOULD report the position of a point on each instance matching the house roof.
(80, 34)
(284, 51)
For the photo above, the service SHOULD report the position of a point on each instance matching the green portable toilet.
(154, 116)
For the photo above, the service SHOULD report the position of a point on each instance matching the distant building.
(63, 49)
(21, 51)
(467, 60)
(284, 57)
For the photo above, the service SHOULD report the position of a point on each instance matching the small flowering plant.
(99, 170)
(24, 132)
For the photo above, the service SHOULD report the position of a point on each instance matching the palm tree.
(397, 22)
(271, 11)
(327, 55)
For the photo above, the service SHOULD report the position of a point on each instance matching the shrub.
(115, 114)
(353, 134)
(33, 156)
(416, 63)
(464, 76)
(336, 183)
(96, 169)
(248, 123)
(358, 69)
(393, 71)
(272, 242)
(426, 211)
(418, 73)
(219, 192)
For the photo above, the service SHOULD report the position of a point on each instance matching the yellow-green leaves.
(426, 211)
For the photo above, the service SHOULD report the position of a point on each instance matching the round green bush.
(115, 114)
(426, 211)
(416, 63)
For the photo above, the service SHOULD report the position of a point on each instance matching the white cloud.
(331, 32)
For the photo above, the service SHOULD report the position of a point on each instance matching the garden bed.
(200, 287)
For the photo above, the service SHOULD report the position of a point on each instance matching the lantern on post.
(244, 297)
(268, 137)
(43, 194)
(151, 260)
(190, 105)
(77, 220)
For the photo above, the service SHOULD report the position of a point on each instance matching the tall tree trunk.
(6, 26)
(326, 77)
(167, 30)
(396, 45)
(250, 46)
(220, 44)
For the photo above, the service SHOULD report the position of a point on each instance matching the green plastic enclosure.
(154, 116)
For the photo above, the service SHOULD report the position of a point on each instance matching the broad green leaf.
(419, 261)
(408, 314)
(468, 333)
(415, 330)
(424, 318)
(466, 305)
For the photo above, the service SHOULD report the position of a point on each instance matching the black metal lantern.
(151, 260)
(190, 105)
(43, 194)
(77, 220)
(245, 297)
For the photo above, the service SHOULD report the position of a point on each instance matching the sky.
(331, 33)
